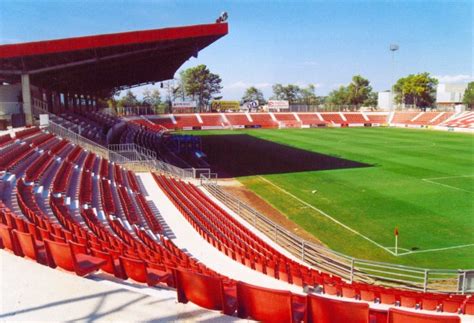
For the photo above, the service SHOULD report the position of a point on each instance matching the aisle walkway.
(187, 238)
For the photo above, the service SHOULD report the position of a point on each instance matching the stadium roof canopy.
(102, 63)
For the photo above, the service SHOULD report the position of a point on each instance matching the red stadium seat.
(111, 265)
(325, 310)
(399, 316)
(452, 305)
(30, 247)
(61, 254)
(8, 240)
(137, 270)
(267, 305)
(205, 291)
(469, 307)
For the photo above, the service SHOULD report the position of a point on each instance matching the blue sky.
(320, 42)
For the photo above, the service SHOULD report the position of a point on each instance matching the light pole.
(393, 48)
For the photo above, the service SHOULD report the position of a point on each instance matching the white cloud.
(459, 78)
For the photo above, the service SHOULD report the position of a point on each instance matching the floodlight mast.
(393, 48)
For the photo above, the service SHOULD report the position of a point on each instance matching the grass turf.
(422, 182)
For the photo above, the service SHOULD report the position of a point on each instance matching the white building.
(450, 94)
(385, 101)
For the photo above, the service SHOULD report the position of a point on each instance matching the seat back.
(109, 265)
(398, 316)
(263, 304)
(27, 244)
(204, 291)
(59, 254)
(134, 269)
(325, 310)
(7, 237)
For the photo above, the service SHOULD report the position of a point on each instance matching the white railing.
(348, 268)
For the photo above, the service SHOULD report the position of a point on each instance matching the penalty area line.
(328, 216)
(438, 249)
(446, 185)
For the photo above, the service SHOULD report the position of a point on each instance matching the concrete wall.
(9, 95)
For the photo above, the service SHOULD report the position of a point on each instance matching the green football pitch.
(421, 182)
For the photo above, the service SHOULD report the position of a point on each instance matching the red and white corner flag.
(396, 241)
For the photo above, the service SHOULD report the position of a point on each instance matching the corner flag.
(396, 241)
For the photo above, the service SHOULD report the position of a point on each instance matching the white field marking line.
(437, 249)
(328, 216)
(446, 185)
(446, 177)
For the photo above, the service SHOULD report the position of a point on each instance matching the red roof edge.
(108, 40)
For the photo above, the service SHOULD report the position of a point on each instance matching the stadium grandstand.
(121, 212)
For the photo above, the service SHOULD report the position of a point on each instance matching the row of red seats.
(26, 132)
(396, 297)
(36, 169)
(62, 177)
(127, 206)
(281, 268)
(5, 139)
(209, 291)
(270, 305)
(150, 218)
(85, 193)
(11, 158)
(331, 286)
(89, 162)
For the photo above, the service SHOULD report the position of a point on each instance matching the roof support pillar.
(27, 101)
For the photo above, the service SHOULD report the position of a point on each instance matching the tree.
(253, 94)
(200, 84)
(128, 100)
(418, 90)
(290, 93)
(338, 97)
(308, 95)
(358, 91)
(468, 98)
(152, 99)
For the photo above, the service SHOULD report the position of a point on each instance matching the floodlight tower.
(393, 48)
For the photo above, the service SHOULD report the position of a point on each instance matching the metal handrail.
(349, 268)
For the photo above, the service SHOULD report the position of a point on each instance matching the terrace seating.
(404, 117)
(214, 121)
(334, 118)
(268, 305)
(355, 118)
(310, 119)
(186, 121)
(62, 255)
(264, 120)
(58, 239)
(377, 118)
(399, 316)
(465, 120)
(324, 310)
(205, 291)
(238, 119)
(138, 270)
(30, 247)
